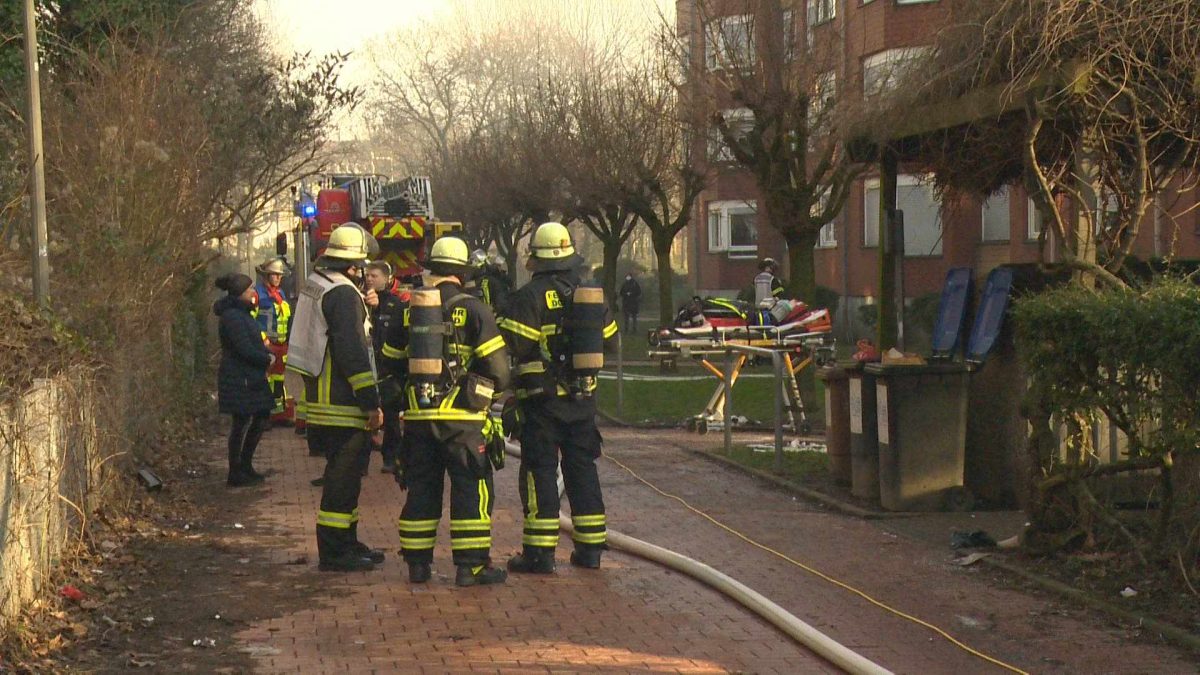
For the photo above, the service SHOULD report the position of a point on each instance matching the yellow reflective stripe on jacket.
(531, 367)
(489, 347)
(440, 415)
(550, 329)
(393, 353)
(341, 521)
(362, 380)
(527, 332)
(610, 330)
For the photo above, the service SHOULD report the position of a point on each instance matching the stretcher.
(707, 328)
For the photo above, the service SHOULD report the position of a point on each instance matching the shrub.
(1129, 354)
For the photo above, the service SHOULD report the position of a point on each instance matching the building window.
(882, 72)
(997, 221)
(789, 35)
(729, 42)
(827, 237)
(733, 228)
(819, 12)
(740, 121)
(1033, 226)
(922, 215)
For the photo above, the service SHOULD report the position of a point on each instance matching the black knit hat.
(234, 283)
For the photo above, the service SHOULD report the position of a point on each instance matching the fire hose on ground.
(789, 624)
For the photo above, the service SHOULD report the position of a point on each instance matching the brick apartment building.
(729, 237)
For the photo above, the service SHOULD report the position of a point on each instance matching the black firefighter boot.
(479, 575)
(375, 555)
(419, 572)
(586, 556)
(532, 560)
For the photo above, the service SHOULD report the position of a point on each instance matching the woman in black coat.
(242, 388)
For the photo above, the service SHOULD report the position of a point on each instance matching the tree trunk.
(802, 285)
(666, 301)
(612, 251)
(802, 271)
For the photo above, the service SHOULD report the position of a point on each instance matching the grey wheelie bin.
(921, 410)
(921, 417)
(864, 445)
(837, 422)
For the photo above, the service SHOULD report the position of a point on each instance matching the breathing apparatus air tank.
(585, 334)
(426, 343)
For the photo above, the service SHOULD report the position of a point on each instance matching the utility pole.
(37, 162)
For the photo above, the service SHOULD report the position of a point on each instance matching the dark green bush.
(1132, 355)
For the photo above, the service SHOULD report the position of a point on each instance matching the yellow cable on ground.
(818, 573)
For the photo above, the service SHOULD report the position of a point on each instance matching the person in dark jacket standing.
(242, 388)
(631, 302)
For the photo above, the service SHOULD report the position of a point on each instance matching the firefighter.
(273, 314)
(489, 282)
(331, 349)
(388, 309)
(446, 417)
(767, 285)
(555, 414)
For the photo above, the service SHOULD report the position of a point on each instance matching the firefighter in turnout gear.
(331, 349)
(273, 314)
(557, 408)
(489, 282)
(456, 365)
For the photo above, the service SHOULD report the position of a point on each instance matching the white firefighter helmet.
(551, 241)
(349, 241)
(273, 266)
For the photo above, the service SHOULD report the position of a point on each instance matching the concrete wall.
(50, 478)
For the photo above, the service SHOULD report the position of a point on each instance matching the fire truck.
(399, 213)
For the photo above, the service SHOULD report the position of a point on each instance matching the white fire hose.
(811, 638)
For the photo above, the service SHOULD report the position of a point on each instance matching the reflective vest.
(309, 344)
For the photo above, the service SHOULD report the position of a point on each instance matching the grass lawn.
(802, 467)
(669, 401)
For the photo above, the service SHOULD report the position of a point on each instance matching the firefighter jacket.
(493, 288)
(274, 313)
(331, 320)
(389, 310)
(474, 347)
(533, 329)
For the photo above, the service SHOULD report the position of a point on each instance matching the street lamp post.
(37, 162)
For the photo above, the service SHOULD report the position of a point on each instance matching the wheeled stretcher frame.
(798, 351)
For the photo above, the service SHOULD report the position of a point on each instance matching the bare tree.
(767, 99)
(1103, 99)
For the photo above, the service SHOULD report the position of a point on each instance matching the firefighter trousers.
(550, 427)
(435, 449)
(337, 519)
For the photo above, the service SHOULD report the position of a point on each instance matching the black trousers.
(244, 434)
(550, 427)
(337, 519)
(434, 450)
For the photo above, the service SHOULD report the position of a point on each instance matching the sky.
(326, 26)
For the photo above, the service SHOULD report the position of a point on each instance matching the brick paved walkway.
(629, 617)
(634, 617)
